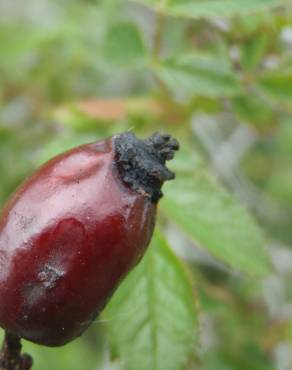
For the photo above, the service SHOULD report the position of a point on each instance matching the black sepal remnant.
(141, 163)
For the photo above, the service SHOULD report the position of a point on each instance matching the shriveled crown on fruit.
(141, 163)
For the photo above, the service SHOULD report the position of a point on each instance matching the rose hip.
(73, 230)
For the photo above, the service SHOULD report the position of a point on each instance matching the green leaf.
(152, 318)
(253, 51)
(278, 85)
(252, 109)
(15, 44)
(284, 140)
(203, 75)
(186, 160)
(279, 184)
(213, 219)
(123, 44)
(211, 8)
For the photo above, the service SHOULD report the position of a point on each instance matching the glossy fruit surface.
(73, 230)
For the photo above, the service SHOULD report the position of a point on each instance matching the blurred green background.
(218, 76)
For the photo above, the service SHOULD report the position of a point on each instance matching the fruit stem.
(10, 355)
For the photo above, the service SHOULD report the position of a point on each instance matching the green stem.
(158, 36)
(156, 51)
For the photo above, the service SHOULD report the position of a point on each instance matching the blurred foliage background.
(218, 76)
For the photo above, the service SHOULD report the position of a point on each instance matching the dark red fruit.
(73, 230)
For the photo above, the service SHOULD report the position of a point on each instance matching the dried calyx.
(141, 163)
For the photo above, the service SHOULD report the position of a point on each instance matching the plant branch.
(10, 355)
(158, 36)
(156, 51)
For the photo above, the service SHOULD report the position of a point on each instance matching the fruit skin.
(68, 236)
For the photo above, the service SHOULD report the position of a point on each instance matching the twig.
(158, 35)
(10, 355)
(157, 49)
